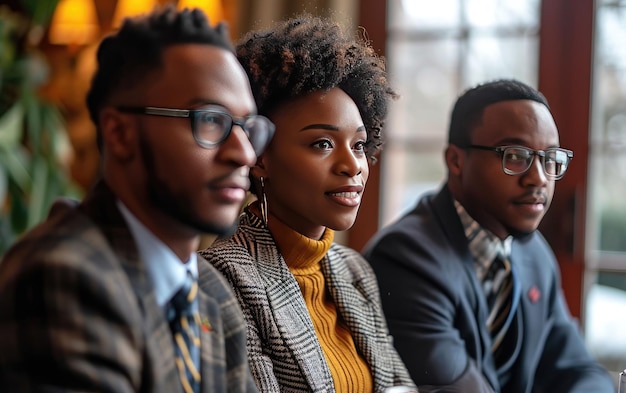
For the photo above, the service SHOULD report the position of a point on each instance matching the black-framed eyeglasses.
(211, 127)
(518, 159)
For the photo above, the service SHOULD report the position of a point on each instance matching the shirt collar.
(165, 270)
(483, 245)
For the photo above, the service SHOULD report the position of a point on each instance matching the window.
(435, 50)
(605, 314)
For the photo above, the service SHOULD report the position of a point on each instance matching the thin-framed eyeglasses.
(211, 127)
(518, 159)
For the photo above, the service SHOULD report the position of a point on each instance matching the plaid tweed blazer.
(283, 350)
(78, 312)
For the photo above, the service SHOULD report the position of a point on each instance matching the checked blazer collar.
(100, 206)
(353, 300)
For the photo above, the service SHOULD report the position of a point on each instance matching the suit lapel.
(532, 309)
(358, 313)
(159, 367)
(206, 339)
(443, 206)
(293, 321)
(160, 347)
(449, 221)
(213, 331)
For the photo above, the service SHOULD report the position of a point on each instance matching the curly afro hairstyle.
(305, 54)
(125, 59)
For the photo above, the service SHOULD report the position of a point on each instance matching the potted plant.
(33, 139)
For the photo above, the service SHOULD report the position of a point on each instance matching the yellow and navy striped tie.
(185, 324)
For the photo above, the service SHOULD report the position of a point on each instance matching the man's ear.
(455, 157)
(119, 134)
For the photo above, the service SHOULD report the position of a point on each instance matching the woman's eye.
(323, 144)
(360, 146)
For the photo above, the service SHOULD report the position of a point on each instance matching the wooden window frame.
(565, 59)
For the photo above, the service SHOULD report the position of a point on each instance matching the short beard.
(177, 206)
(520, 235)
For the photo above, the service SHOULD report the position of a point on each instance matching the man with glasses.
(469, 287)
(108, 295)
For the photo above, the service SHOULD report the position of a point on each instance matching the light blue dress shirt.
(165, 270)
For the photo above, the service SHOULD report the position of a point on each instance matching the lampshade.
(129, 8)
(212, 8)
(74, 23)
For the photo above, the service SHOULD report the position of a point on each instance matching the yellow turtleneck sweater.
(303, 255)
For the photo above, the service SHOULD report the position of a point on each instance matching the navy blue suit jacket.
(436, 310)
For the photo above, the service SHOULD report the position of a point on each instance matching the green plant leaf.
(18, 214)
(7, 47)
(15, 162)
(60, 146)
(12, 125)
(37, 203)
(33, 137)
(34, 127)
(40, 11)
(4, 186)
(7, 236)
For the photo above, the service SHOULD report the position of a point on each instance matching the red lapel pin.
(534, 294)
(206, 325)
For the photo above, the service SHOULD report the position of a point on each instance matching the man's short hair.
(125, 59)
(469, 107)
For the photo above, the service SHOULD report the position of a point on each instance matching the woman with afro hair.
(312, 306)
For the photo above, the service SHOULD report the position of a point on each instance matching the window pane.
(423, 14)
(605, 299)
(503, 13)
(425, 75)
(502, 57)
(419, 169)
(605, 319)
(435, 50)
(607, 213)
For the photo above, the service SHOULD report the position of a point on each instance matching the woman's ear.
(454, 156)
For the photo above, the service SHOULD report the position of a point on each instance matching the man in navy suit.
(470, 288)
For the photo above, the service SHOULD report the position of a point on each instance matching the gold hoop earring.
(263, 201)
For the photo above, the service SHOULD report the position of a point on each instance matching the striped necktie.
(185, 324)
(498, 288)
